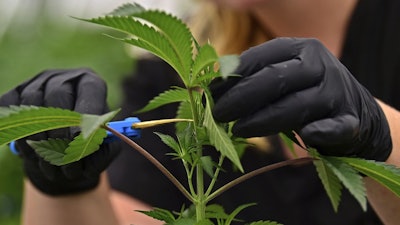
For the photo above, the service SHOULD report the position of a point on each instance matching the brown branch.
(258, 172)
(153, 160)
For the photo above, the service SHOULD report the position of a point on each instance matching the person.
(292, 79)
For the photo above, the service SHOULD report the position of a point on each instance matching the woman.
(362, 34)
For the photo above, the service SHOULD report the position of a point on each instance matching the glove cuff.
(375, 139)
(61, 188)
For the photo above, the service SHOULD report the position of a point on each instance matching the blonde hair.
(229, 31)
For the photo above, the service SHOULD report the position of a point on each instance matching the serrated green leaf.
(156, 31)
(81, 147)
(215, 211)
(219, 138)
(186, 142)
(235, 212)
(387, 175)
(206, 78)
(207, 56)
(330, 182)
(184, 221)
(127, 9)
(161, 48)
(208, 165)
(189, 212)
(24, 121)
(169, 141)
(265, 223)
(51, 150)
(90, 123)
(215, 208)
(144, 36)
(178, 35)
(186, 136)
(170, 96)
(6, 111)
(228, 64)
(159, 214)
(349, 178)
(184, 112)
(202, 136)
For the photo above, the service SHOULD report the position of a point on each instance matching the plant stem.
(153, 160)
(214, 179)
(258, 172)
(189, 173)
(200, 202)
(200, 197)
(194, 109)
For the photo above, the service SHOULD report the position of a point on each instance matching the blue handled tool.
(123, 126)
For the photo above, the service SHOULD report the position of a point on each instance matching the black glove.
(80, 90)
(297, 84)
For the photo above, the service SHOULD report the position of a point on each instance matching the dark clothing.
(372, 48)
(291, 195)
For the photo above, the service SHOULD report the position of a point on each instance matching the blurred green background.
(36, 35)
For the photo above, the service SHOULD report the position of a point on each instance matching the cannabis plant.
(197, 65)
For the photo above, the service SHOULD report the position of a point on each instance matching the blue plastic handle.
(13, 148)
(124, 127)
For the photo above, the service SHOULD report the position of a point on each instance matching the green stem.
(258, 172)
(189, 173)
(200, 200)
(153, 160)
(214, 179)
(194, 109)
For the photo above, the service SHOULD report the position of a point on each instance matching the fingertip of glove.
(219, 114)
(10, 98)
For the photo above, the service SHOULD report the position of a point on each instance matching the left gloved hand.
(297, 84)
(80, 90)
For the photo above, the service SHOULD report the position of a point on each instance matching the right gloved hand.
(296, 84)
(80, 90)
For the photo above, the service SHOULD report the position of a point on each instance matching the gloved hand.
(296, 84)
(80, 90)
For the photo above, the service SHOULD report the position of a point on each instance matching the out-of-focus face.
(239, 4)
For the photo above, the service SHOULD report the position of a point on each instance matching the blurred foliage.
(10, 188)
(26, 49)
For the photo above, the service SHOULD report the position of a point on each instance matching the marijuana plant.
(169, 38)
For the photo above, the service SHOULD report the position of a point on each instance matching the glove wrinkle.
(74, 89)
(297, 84)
